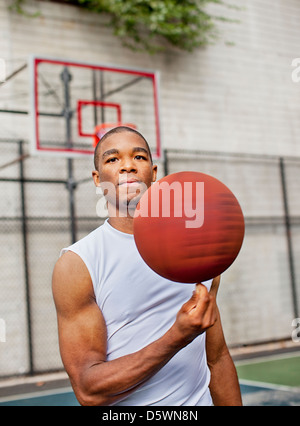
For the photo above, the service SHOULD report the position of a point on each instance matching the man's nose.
(128, 166)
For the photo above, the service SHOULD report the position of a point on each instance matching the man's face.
(124, 170)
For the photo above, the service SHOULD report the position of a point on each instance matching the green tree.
(153, 25)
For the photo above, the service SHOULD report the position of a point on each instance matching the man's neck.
(123, 224)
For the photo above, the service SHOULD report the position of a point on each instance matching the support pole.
(26, 260)
(289, 238)
(66, 77)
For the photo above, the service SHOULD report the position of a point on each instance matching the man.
(128, 336)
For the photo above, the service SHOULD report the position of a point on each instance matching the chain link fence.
(259, 295)
(47, 203)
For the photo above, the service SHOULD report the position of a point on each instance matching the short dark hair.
(111, 132)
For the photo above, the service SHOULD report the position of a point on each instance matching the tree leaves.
(156, 25)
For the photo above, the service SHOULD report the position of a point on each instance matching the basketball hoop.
(103, 128)
(83, 109)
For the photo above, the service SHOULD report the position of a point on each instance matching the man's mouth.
(129, 182)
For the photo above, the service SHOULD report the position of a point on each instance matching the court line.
(32, 395)
(271, 386)
(267, 358)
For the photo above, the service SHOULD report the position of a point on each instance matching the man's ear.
(154, 173)
(96, 177)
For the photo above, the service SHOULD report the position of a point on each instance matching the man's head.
(124, 168)
(113, 131)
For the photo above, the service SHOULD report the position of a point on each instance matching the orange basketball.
(189, 227)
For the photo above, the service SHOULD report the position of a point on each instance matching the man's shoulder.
(69, 264)
(71, 284)
(86, 240)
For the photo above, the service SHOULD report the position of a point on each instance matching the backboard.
(71, 99)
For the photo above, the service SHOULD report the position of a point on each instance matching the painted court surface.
(271, 381)
(266, 381)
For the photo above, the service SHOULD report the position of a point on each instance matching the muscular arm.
(83, 338)
(224, 385)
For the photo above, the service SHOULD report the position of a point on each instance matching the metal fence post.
(26, 258)
(66, 77)
(289, 237)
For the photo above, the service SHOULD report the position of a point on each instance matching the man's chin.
(128, 205)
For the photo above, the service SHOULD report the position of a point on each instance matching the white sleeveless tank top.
(139, 306)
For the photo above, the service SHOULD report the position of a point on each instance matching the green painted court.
(278, 370)
(272, 380)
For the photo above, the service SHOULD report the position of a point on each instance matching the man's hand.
(198, 314)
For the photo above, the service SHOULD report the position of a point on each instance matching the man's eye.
(112, 160)
(140, 157)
